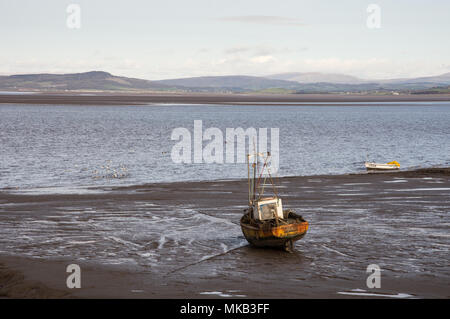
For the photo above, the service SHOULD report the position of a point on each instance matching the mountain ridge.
(318, 77)
(277, 83)
(92, 80)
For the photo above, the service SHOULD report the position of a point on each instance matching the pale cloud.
(247, 62)
(339, 65)
(368, 68)
(262, 65)
(261, 19)
(122, 66)
(203, 50)
(238, 49)
(262, 59)
(253, 38)
(256, 50)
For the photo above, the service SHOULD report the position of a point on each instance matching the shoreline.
(207, 98)
(423, 171)
(34, 272)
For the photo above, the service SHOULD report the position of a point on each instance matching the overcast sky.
(179, 38)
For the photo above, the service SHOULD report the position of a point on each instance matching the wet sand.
(183, 240)
(208, 98)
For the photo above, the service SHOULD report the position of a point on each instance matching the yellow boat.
(371, 166)
(265, 223)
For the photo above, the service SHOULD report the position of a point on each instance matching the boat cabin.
(268, 208)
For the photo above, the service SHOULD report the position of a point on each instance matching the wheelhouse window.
(268, 210)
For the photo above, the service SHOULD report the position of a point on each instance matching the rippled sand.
(184, 239)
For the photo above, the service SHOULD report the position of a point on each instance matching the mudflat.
(183, 239)
(208, 98)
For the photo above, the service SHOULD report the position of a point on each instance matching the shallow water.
(68, 146)
(186, 237)
(58, 198)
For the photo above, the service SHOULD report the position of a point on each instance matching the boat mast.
(255, 168)
(251, 180)
(248, 180)
(254, 180)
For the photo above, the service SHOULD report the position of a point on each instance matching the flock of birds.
(108, 171)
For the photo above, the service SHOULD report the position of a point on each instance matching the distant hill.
(316, 77)
(442, 79)
(434, 90)
(315, 82)
(94, 80)
(335, 78)
(234, 83)
(363, 87)
(286, 83)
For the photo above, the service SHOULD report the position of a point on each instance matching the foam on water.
(397, 181)
(361, 293)
(228, 294)
(421, 189)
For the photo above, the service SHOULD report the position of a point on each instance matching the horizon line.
(224, 75)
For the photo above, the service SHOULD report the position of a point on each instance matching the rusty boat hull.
(274, 236)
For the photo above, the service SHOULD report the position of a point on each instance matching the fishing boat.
(265, 223)
(371, 166)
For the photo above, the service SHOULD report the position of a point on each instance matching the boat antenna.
(251, 180)
(272, 180)
(254, 180)
(261, 189)
(255, 168)
(248, 179)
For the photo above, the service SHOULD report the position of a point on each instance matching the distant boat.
(371, 166)
(265, 223)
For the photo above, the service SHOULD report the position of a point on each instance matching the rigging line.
(261, 190)
(248, 178)
(259, 180)
(205, 259)
(210, 215)
(273, 183)
(262, 171)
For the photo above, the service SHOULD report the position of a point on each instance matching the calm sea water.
(71, 147)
